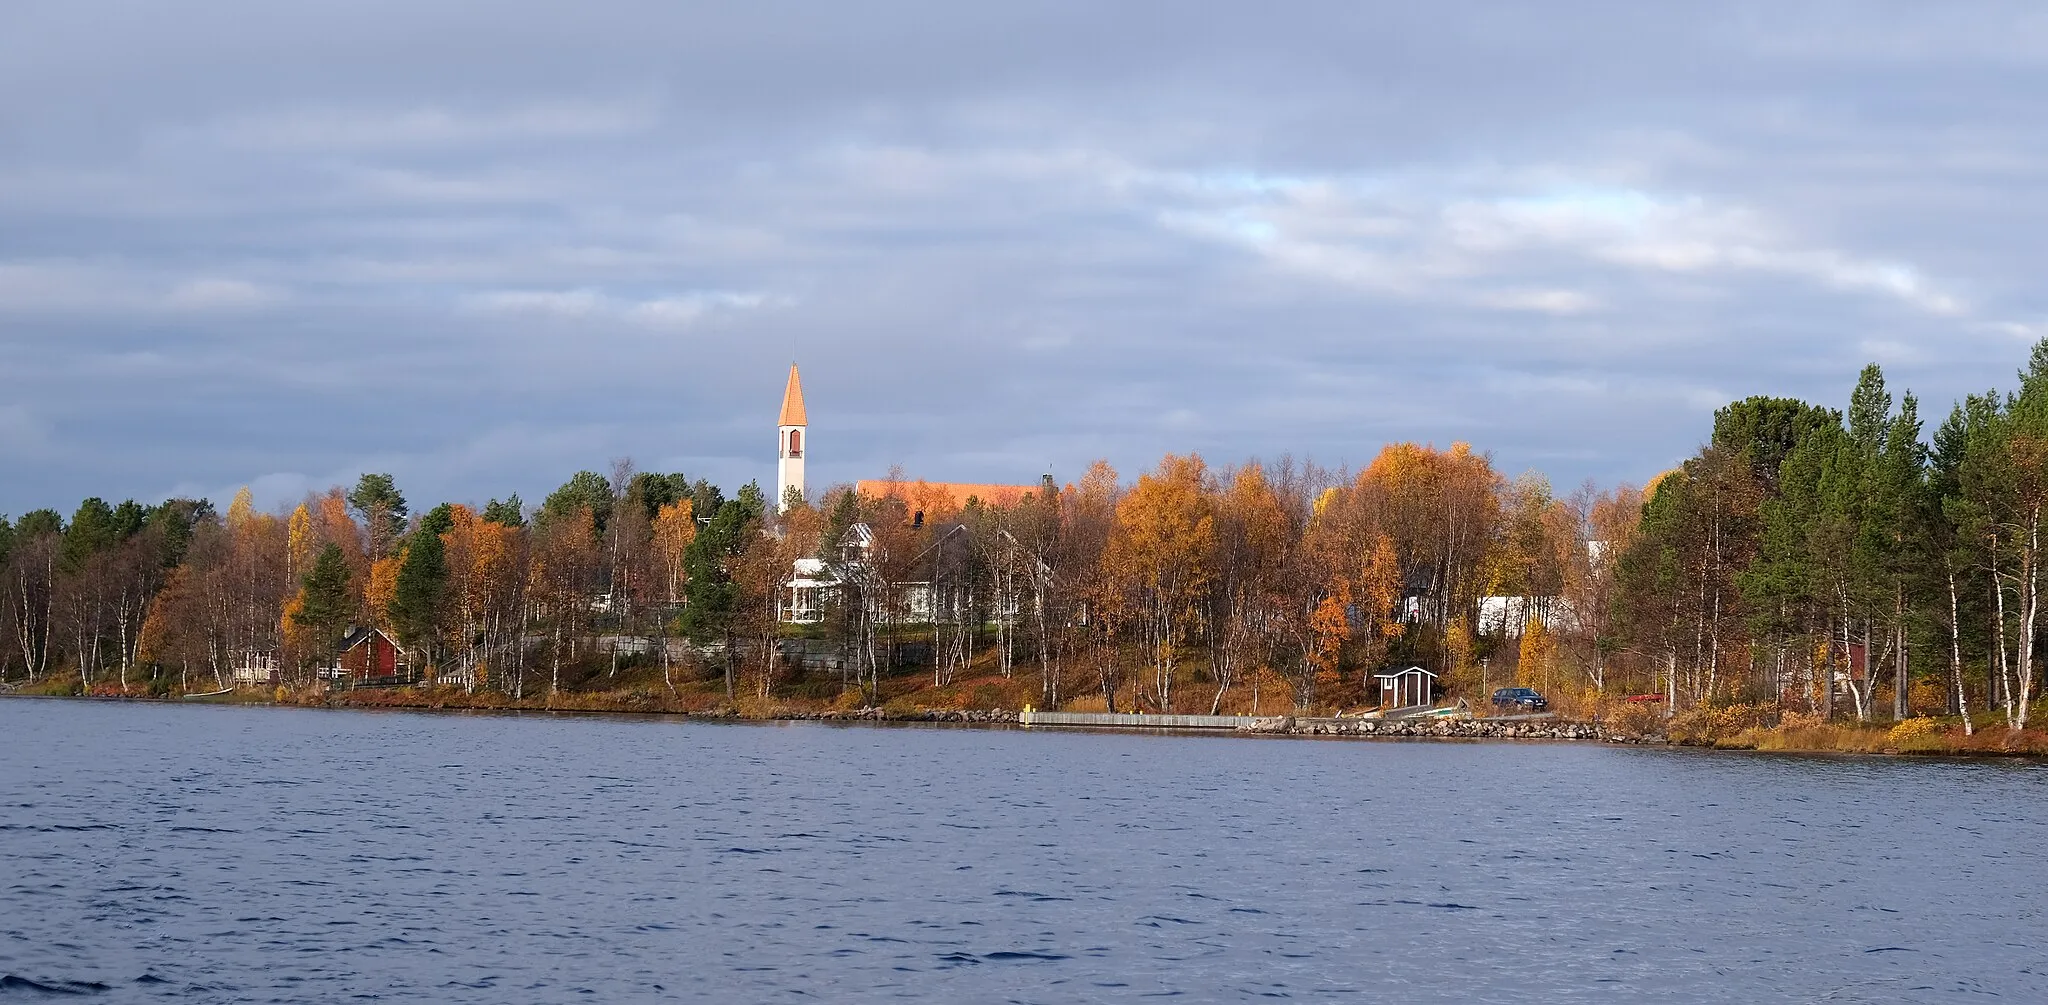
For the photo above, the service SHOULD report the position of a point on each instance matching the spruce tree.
(509, 512)
(328, 606)
(711, 598)
(416, 598)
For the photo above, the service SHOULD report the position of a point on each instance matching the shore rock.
(1446, 729)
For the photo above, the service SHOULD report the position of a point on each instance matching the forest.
(1808, 564)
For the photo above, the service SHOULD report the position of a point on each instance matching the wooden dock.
(1134, 720)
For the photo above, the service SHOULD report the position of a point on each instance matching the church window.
(796, 443)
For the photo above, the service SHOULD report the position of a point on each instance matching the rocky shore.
(1284, 725)
(1437, 729)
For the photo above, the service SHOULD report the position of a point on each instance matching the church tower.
(789, 464)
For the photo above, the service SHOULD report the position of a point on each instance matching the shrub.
(1635, 719)
(1912, 733)
(1927, 696)
(1791, 721)
(1722, 725)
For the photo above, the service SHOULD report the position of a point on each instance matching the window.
(796, 443)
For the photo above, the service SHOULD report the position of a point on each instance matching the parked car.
(1519, 699)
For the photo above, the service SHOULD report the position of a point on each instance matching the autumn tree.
(1255, 533)
(31, 586)
(1092, 601)
(1158, 560)
(560, 579)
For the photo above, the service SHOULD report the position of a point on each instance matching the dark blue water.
(220, 854)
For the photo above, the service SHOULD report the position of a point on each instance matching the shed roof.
(1391, 674)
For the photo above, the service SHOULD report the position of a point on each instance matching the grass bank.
(1771, 728)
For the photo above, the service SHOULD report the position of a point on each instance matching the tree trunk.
(1955, 664)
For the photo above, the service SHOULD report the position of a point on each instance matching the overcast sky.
(482, 246)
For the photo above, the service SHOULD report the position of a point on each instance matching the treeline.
(1192, 588)
(1850, 564)
(1837, 563)
(176, 597)
(1204, 589)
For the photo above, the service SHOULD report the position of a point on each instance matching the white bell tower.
(793, 436)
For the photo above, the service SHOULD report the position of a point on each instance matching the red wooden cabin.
(369, 654)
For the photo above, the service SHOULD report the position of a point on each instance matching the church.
(813, 579)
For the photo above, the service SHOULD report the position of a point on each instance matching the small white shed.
(1406, 688)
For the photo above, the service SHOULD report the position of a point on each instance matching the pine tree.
(377, 499)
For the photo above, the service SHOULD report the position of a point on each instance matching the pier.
(1135, 720)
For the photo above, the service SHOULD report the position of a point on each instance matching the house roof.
(793, 401)
(357, 636)
(1391, 674)
(933, 497)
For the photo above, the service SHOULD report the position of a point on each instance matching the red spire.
(793, 401)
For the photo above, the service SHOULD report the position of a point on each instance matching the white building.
(792, 430)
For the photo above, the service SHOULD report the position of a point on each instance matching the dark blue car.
(1519, 699)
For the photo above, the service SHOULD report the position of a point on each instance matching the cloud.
(1542, 301)
(221, 294)
(672, 311)
(463, 249)
(111, 289)
(1434, 238)
(346, 129)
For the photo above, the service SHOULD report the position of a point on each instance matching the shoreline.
(1285, 726)
(1278, 727)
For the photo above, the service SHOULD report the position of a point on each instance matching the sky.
(481, 247)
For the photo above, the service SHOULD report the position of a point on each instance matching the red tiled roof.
(937, 497)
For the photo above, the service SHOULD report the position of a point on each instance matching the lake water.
(272, 855)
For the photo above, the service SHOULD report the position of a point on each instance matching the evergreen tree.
(1765, 430)
(710, 596)
(382, 507)
(175, 520)
(38, 523)
(705, 498)
(439, 520)
(653, 491)
(329, 605)
(417, 601)
(129, 518)
(92, 531)
(509, 513)
(584, 490)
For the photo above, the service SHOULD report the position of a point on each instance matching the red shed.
(369, 654)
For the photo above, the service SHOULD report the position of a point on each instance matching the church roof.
(793, 401)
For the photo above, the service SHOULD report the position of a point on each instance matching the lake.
(280, 855)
